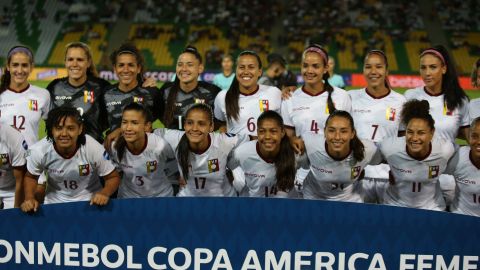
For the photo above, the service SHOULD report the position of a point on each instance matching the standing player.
(337, 159)
(202, 154)
(309, 106)
(129, 66)
(335, 79)
(475, 103)
(22, 105)
(448, 102)
(465, 167)
(82, 89)
(416, 160)
(224, 80)
(376, 111)
(239, 107)
(74, 162)
(186, 90)
(265, 167)
(12, 166)
(141, 156)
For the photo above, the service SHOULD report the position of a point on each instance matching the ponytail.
(329, 89)
(285, 165)
(183, 153)
(120, 146)
(231, 100)
(5, 80)
(171, 100)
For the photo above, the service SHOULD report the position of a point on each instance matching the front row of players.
(221, 164)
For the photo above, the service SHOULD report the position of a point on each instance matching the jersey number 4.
(314, 127)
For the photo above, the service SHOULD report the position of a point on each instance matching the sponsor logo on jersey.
(199, 100)
(391, 113)
(138, 99)
(113, 103)
(106, 156)
(178, 104)
(213, 166)
(84, 169)
(322, 170)
(4, 159)
(33, 105)
(433, 171)
(263, 105)
(25, 145)
(254, 175)
(355, 172)
(63, 98)
(362, 111)
(88, 96)
(301, 108)
(446, 111)
(151, 166)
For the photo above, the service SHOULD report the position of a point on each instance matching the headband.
(434, 52)
(20, 49)
(319, 51)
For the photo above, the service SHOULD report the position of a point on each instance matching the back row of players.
(336, 159)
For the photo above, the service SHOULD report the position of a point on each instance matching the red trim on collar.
(21, 91)
(430, 94)
(380, 97)
(66, 157)
(253, 93)
(143, 148)
(312, 94)
(206, 149)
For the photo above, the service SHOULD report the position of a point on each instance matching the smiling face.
(418, 137)
(188, 68)
(127, 69)
(338, 134)
(65, 134)
(431, 71)
(198, 125)
(134, 125)
(20, 67)
(248, 71)
(313, 69)
(375, 71)
(270, 135)
(474, 140)
(77, 64)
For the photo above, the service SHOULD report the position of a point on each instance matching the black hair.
(58, 116)
(285, 160)
(128, 48)
(6, 76)
(326, 75)
(475, 122)
(474, 76)
(356, 144)
(92, 70)
(385, 60)
(276, 58)
(419, 109)
(172, 94)
(183, 148)
(233, 94)
(453, 93)
(120, 143)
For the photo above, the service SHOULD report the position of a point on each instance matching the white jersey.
(207, 170)
(447, 123)
(375, 119)
(251, 106)
(416, 181)
(332, 179)
(474, 108)
(255, 176)
(24, 110)
(12, 154)
(307, 112)
(70, 179)
(467, 178)
(143, 174)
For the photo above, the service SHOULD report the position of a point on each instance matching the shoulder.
(392, 144)
(55, 82)
(167, 85)
(475, 102)
(414, 92)
(445, 147)
(41, 147)
(339, 92)
(39, 91)
(356, 92)
(99, 81)
(209, 86)
(110, 88)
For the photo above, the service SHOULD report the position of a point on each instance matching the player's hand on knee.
(29, 205)
(99, 199)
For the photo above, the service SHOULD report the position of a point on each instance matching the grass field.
(471, 94)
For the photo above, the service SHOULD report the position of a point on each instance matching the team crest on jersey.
(213, 166)
(88, 96)
(138, 99)
(391, 113)
(433, 171)
(4, 159)
(263, 105)
(355, 172)
(199, 100)
(33, 105)
(84, 169)
(151, 166)
(446, 111)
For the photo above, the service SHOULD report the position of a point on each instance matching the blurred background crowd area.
(162, 28)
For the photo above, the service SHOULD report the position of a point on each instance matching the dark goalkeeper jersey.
(87, 99)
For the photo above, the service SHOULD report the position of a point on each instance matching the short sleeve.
(452, 164)
(35, 162)
(99, 157)
(286, 114)
(465, 113)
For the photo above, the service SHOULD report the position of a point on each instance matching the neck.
(199, 147)
(127, 87)
(18, 87)
(66, 151)
(271, 155)
(436, 89)
(475, 159)
(378, 91)
(315, 88)
(188, 87)
(227, 73)
(248, 90)
(339, 155)
(77, 82)
(138, 145)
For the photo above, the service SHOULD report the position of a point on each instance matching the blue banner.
(236, 233)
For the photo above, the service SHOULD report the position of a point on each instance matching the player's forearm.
(19, 174)
(30, 185)
(112, 181)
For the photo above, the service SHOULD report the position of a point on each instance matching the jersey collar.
(430, 94)
(253, 93)
(380, 97)
(312, 94)
(206, 149)
(141, 151)
(21, 90)
(66, 156)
